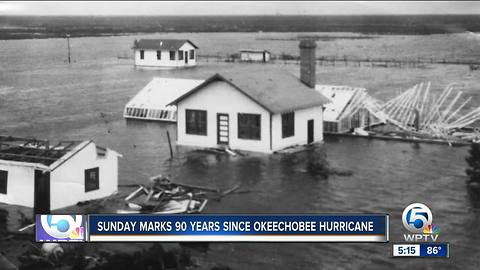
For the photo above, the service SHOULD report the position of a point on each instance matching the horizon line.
(237, 15)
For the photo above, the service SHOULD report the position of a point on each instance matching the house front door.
(41, 196)
(223, 128)
(310, 131)
(186, 57)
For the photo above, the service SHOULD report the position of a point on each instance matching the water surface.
(43, 97)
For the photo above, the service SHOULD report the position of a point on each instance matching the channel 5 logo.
(417, 219)
(60, 227)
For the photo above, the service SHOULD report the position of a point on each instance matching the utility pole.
(68, 44)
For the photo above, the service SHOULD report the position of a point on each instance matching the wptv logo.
(417, 219)
(67, 228)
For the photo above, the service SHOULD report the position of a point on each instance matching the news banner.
(366, 228)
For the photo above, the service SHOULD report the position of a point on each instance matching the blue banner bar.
(434, 250)
(239, 228)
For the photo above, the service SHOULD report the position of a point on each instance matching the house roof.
(39, 153)
(35, 151)
(275, 90)
(159, 92)
(340, 95)
(161, 44)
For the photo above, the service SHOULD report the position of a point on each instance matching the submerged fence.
(348, 61)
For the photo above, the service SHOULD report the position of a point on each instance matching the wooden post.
(169, 144)
(417, 119)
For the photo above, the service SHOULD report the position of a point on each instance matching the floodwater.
(42, 96)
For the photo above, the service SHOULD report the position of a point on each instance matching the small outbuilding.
(253, 111)
(35, 174)
(255, 55)
(168, 53)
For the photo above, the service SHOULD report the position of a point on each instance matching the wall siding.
(220, 97)
(67, 181)
(20, 185)
(300, 137)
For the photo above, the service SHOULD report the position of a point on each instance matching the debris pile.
(437, 115)
(162, 196)
(419, 112)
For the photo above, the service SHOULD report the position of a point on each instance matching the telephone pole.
(68, 44)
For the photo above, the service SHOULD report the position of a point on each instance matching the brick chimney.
(307, 62)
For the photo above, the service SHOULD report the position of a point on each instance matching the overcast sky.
(238, 8)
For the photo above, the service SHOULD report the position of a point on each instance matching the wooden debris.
(163, 196)
(423, 113)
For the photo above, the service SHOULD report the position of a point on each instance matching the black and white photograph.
(228, 135)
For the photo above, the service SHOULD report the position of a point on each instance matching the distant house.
(253, 111)
(255, 55)
(348, 109)
(151, 103)
(35, 174)
(168, 53)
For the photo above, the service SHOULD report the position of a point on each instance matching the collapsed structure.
(350, 108)
(151, 103)
(417, 111)
(441, 115)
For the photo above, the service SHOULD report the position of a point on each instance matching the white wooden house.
(168, 53)
(34, 174)
(252, 55)
(253, 111)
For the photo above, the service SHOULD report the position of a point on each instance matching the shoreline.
(328, 36)
(37, 27)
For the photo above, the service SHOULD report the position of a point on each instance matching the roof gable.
(276, 91)
(161, 44)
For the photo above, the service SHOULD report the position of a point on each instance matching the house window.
(249, 126)
(180, 55)
(192, 54)
(288, 124)
(172, 55)
(3, 182)
(159, 55)
(196, 122)
(142, 54)
(92, 179)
